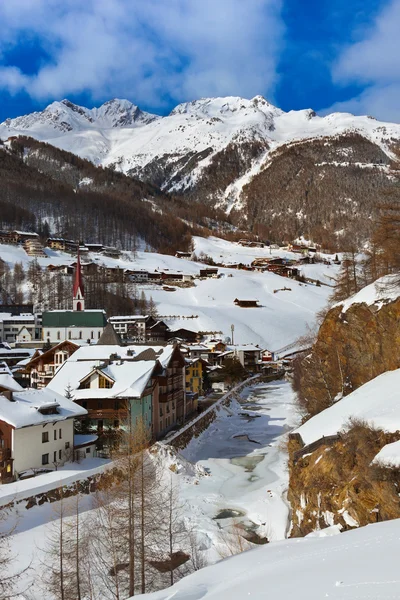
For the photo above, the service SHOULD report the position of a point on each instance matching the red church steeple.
(78, 300)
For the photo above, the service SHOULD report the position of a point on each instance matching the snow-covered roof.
(24, 409)
(96, 353)
(28, 317)
(384, 290)
(8, 382)
(84, 439)
(377, 402)
(130, 377)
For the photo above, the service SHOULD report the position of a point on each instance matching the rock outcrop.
(357, 341)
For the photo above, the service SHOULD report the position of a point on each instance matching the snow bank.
(384, 290)
(345, 566)
(377, 402)
(389, 455)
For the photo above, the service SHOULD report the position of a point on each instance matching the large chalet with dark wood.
(43, 366)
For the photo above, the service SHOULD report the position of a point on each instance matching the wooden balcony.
(5, 454)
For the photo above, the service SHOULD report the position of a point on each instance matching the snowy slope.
(376, 402)
(360, 564)
(119, 133)
(283, 316)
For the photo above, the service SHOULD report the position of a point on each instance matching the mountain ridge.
(219, 152)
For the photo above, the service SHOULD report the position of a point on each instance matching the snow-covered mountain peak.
(120, 113)
(65, 116)
(225, 107)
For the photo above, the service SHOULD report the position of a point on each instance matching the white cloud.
(145, 49)
(373, 61)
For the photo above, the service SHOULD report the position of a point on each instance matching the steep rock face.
(336, 484)
(353, 347)
(333, 480)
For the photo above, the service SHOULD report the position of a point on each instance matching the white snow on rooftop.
(24, 409)
(130, 378)
(376, 402)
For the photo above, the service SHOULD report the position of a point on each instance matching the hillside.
(279, 174)
(359, 564)
(78, 200)
(208, 305)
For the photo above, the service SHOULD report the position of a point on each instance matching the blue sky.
(326, 54)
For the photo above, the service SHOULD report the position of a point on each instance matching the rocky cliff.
(358, 340)
(333, 480)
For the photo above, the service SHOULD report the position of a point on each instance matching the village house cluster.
(93, 377)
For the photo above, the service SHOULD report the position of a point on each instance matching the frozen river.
(243, 453)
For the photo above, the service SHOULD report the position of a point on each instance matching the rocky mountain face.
(278, 174)
(357, 341)
(335, 480)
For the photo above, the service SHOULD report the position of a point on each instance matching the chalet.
(180, 254)
(56, 243)
(12, 356)
(94, 247)
(266, 356)
(117, 382)
(33, 247)
(111, 252)
(19, 237)
(156, 277)
(209, 272)
(64, 269)
(248, 355)
(183, 334)
(156, 332)
(36, 431)
(43, 366)
(133, 275)
(246, 303)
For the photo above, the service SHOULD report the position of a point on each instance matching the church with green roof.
(77, 324)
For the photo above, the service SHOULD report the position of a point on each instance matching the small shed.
(246, 303)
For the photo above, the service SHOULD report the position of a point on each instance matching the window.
(80, 335)
(104, 383)
(116, 424)
(98, 335)
(66, 445)
(87, 450)
(45, 437)
(55, 456)
(92, 335)
(55, 434)
(69, 335)
(58, 335)
(59, 434)
(45, 459)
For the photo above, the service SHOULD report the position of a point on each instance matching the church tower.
(78, 300)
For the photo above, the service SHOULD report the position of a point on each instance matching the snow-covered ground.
(376, 402)
(283, 316)
(237, 464)
(356, 565)
(65, 475)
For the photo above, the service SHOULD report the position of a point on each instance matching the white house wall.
(28, 447)
(71, 333)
